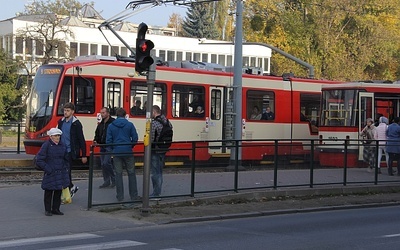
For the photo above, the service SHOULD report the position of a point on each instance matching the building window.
(188, 56)
(213, 58)
(171, 56)
(93, 49)
(221, 60)
(179, 56)
(83, 49)
(162, 54)
(39, 48)
(105, 50)
(114, 50)
(19, 45)
(196, 57)
(73, 52)
(204, 57)
(229, 60)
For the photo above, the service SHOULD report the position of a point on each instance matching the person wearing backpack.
(161, 137)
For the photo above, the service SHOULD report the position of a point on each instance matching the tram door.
(366, 110)
(113, 94)
(214, 123)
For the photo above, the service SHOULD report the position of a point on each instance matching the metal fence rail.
(279, 174)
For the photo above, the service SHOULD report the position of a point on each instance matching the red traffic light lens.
(144, 47)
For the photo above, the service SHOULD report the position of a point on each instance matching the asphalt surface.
(22, 210)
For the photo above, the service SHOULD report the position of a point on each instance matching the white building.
(87, 39)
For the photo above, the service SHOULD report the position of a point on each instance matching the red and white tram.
(93, 83)
(345, 108)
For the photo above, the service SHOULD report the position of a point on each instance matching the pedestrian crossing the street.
(71, 242)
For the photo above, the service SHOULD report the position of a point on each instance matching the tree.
(48, 29)
(175, 22)
(11, 103)
(199, 22)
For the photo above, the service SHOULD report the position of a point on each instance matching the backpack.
(165, 139)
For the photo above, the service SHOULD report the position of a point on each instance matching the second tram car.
(272, 107)
(345, 109)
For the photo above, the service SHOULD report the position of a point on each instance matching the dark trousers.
(393, 157)
(70, 169)
(52, 200)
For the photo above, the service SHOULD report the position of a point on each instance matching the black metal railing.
(291, 167)
(11, 137)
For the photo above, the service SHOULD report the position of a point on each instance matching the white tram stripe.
(40, 240)
(101, 245)
(391, 235)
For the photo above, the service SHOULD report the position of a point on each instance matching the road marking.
(102, 245)
(391, 235)
(31, 241)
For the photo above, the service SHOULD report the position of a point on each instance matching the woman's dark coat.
(52, 158)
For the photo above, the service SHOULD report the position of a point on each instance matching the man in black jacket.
(105, 159)
(73, 138)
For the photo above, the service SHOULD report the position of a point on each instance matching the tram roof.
(363, 84)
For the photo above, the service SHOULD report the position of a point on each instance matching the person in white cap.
(52, 158)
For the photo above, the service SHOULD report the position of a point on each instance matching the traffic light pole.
(151, 78)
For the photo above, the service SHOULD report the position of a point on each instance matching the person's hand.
(84, 160)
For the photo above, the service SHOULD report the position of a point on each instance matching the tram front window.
(41, 99)
(339, 108)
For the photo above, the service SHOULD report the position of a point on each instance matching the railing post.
(276, 164)
(376, 162)
(346, 142)
(312, 165)
(19, 139)
(90, 187)
(236, 166)
(193, 169)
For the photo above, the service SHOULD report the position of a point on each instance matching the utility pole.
(237, 85)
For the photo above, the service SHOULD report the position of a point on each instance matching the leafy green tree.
(199, 22)
(11, 99)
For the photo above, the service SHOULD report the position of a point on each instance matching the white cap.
(54, 131)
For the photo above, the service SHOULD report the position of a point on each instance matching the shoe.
(73, 190)
(104, 185)
(47, 213)
(155, 197)
(112, 185)
(57, 212)
(137, 198)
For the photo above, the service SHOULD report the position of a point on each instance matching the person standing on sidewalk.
(158, 152)
(122, 131)
(380, 134)
(369, 150)
(393, 145)
(73, 139)
(52, 158)
(105, 159)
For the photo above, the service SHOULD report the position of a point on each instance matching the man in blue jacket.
(123, 133)
(73, 138)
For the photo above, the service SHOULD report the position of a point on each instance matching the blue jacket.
(121, 131)
(393, 137)
(77, 138)
(53, 160)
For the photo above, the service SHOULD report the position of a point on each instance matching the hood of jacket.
(120, 122)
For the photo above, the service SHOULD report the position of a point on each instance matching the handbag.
(66, 196)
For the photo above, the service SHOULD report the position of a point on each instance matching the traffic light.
(143, 59)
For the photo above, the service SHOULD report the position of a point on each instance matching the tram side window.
(309, 108)
(260, 105)
(138, 97)
(216, 104)
(114, 96)
(188, 101)
(84, 95)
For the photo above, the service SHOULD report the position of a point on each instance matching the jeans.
(157, 165)
(129, 163)
(380, 149)
(107, 167)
